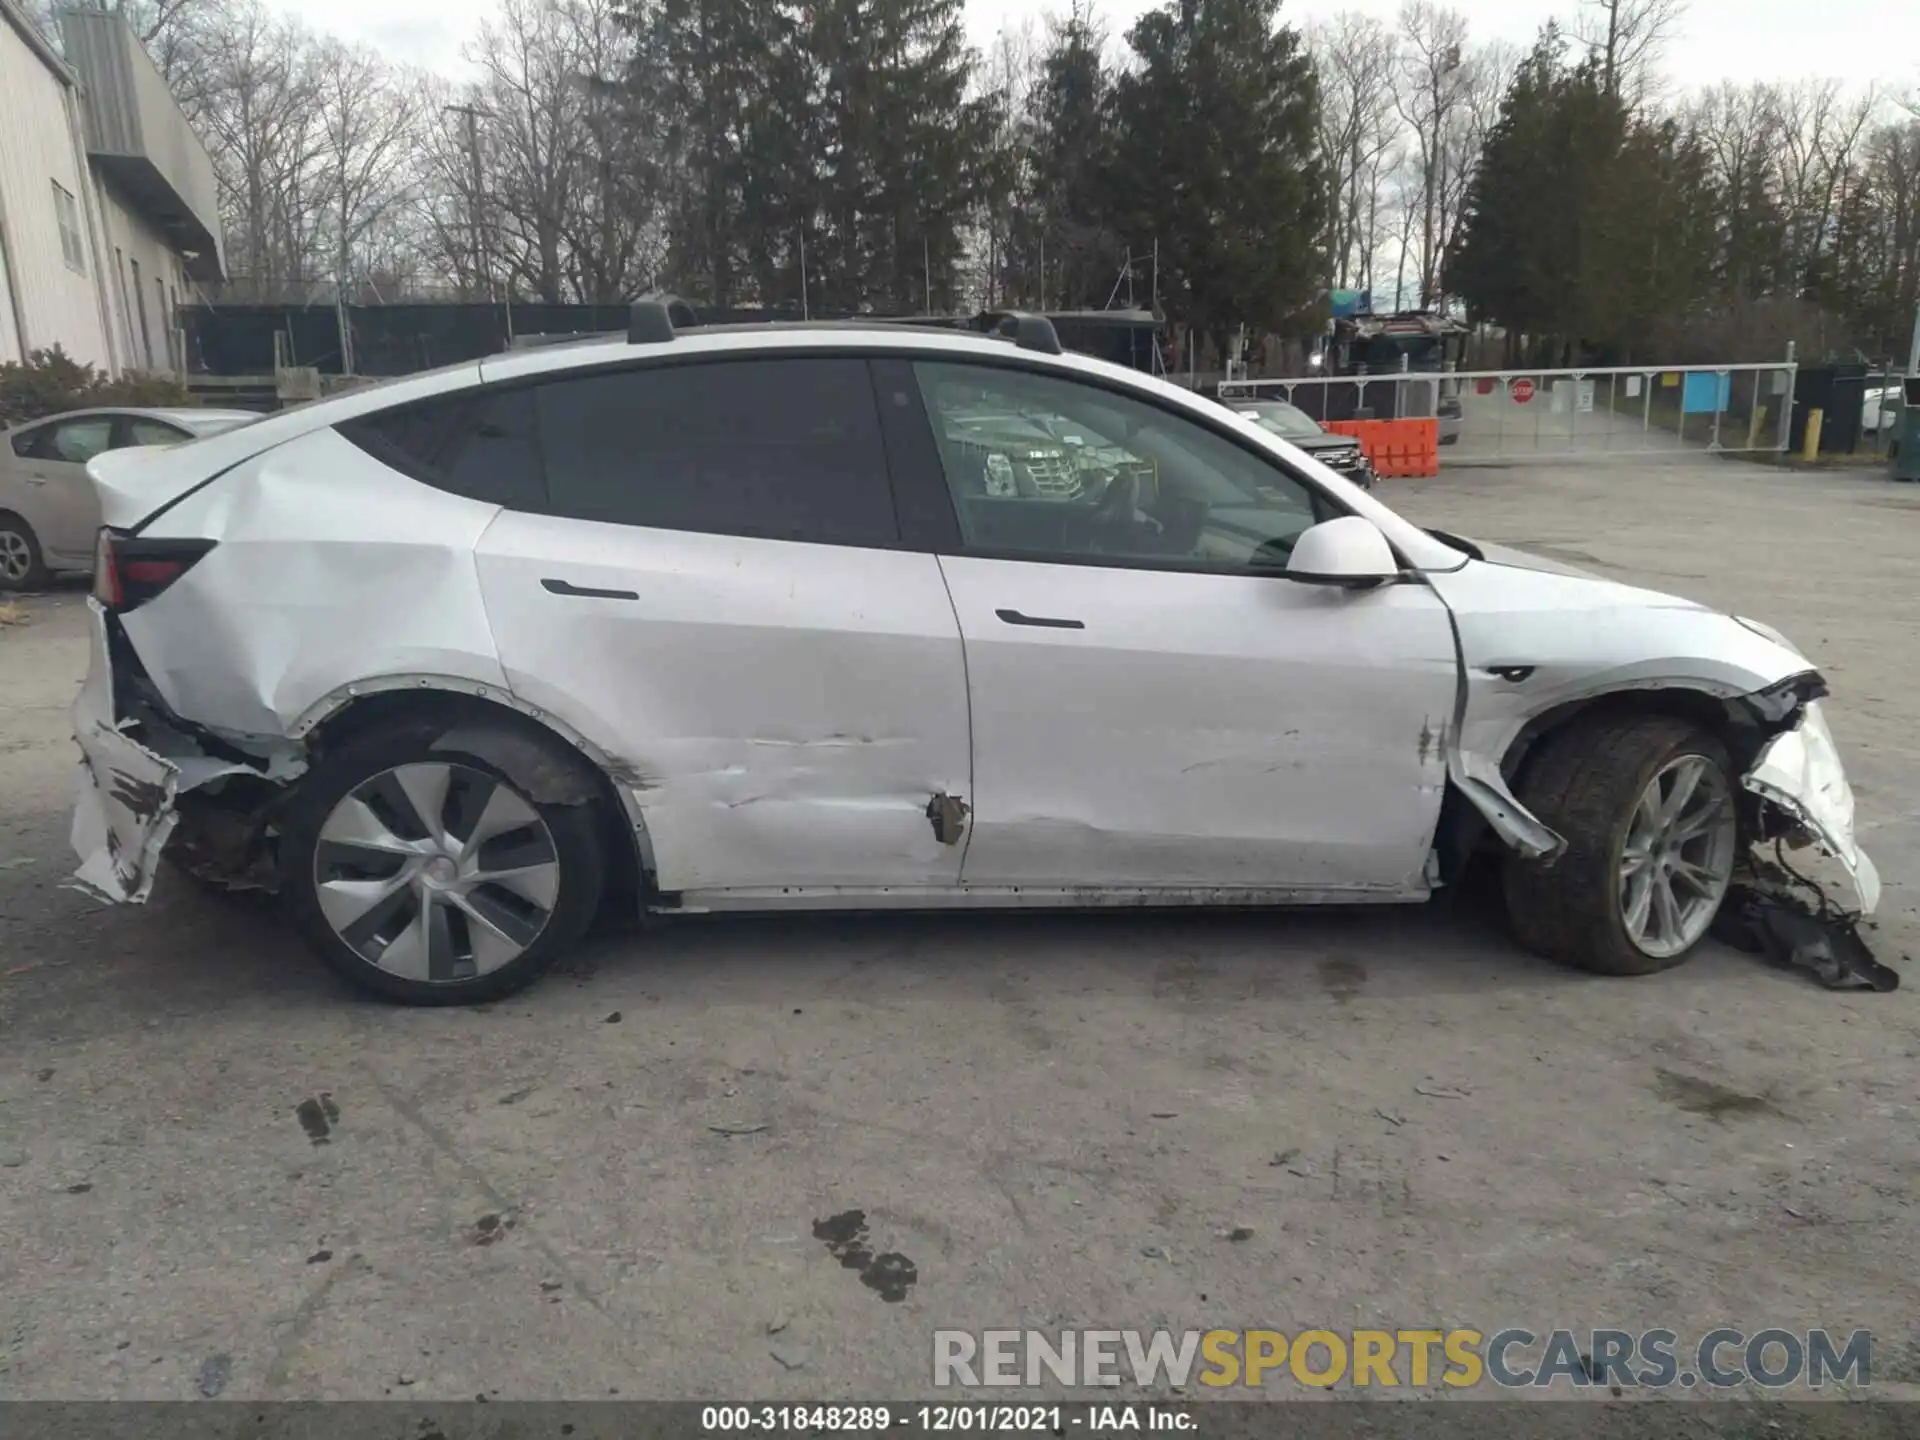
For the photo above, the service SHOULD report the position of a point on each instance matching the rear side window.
(77, 441)
(142, 431)
(23, 441)
(480, 444)
(785, 449)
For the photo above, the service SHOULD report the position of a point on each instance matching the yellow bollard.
(1755, 426)
(1811, 449)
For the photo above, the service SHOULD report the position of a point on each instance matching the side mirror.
(1349, 551)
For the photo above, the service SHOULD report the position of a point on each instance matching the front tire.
(429, 876)
(22, 565)
(1646, 805)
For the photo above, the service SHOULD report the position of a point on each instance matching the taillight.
(129, 571)
(106, 573)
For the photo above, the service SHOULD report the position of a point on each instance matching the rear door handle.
(1043, 622)
(584, 592)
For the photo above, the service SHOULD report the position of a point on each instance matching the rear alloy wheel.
(21, 565)
(1646, 806)
(430, 877)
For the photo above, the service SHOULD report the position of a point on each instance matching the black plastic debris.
(1827, 945)
(214, 1372)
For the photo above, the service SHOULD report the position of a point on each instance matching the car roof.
(692, 344)
(854, 336)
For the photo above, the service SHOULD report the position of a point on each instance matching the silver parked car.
(48, 511)
(737, 619)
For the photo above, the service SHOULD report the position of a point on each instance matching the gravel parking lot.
(220, 1171)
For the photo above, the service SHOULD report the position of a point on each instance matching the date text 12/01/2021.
(1100, 1419)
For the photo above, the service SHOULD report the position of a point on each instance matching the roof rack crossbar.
(1032, 332)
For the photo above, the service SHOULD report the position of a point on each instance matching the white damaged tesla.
(878, 616)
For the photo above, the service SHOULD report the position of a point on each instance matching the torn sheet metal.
(1799, 771)
(949, 816)
(125, 807)
(1480, 780)
(1535, 636)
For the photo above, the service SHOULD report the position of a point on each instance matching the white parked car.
(728, 620)
(49, 514)
(1880, 405)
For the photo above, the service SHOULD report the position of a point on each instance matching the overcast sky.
(1720, 39)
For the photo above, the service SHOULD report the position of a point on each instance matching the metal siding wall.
(130, 111)
(134, 239)
(37, 149)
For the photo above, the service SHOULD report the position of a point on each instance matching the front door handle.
(561, 587)
(1043, 622)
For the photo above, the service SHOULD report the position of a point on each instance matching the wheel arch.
(1727, 720)
(1743, 723)
(523, 745)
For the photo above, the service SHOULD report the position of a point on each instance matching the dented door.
(1150, 728)
(783, 710)
(783, 713)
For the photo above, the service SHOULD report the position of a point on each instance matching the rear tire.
(1603, 786)
(428, 876)
(22, 565)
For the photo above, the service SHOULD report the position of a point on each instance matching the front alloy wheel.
(1646, 806)
(1677, 861)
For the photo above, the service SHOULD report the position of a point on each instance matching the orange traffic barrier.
(1398, 449)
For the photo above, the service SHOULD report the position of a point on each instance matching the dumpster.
(1903, 459)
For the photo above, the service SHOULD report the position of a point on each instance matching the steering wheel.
(1112, 517)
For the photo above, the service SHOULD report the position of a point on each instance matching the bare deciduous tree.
(1625, 37)
(1435, 80)
(559, 200)
(1357, 59)
(1821, 129)
(261, 115)
(368, 118)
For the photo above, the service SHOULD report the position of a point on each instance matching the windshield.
(1289, 422)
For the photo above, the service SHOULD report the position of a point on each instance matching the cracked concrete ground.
(219, 1169)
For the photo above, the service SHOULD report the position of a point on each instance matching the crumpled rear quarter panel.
(327, 569)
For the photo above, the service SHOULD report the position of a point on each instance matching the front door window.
(1044, 468)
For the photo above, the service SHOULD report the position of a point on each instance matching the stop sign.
(1522, 391)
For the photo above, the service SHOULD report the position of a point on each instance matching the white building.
(108, 208)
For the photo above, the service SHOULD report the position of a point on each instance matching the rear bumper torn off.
(122, 815)
(125, 805)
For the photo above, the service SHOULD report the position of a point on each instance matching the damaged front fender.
(1480, 780)
(1797, 775)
